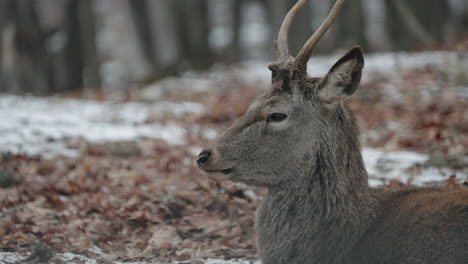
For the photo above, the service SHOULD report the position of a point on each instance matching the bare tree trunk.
(193, 30)
(121, 51)
(413, 26)
(71, 58)
(48, 46)
(141, 15)
(375, 16)
(31, 62)
(417, 23)
(433, 16)
(59, 24)
(8, 65)
(91, 72)
(405, 29)
(351, 25)
(3, 22)
(164, 33)
(465, 19)
(234, 52)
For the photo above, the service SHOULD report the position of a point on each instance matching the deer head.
(299, 119)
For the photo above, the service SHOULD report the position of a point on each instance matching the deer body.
(413, 226)
(425, 225)
(300, 141)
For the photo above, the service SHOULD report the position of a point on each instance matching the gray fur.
(319, 207)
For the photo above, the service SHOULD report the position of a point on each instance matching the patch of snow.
(209, 134)
(396, 165)
(377, 161)
(194, 151)
(36, 125)
(189, 81)
(10, 258)
(251, 194)
(375, 28)
(97, 250)
(74, 258)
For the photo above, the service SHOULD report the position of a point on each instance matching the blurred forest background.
(51, 46)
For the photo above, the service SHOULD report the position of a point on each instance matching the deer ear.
(343, 78)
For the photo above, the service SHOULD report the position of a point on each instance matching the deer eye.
(276, 117)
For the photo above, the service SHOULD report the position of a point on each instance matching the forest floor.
(99, 181)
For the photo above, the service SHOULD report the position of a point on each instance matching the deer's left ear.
(343, 78)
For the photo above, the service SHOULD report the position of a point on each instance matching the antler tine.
(306, 51)
(282, 44)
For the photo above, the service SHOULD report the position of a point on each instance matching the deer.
(301, 141)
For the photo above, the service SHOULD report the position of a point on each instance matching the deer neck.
(334, 178)
(334, 186)
(324, 213)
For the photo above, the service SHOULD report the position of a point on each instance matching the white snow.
(74, 258)
(377, 161)
(10, 258)
(396, 165)
(37, 125)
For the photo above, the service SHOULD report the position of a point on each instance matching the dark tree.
(193, 27)
(3, 22)
(234, 51)
(87, 31)
(54, 46)
(143, 14)
(417, 23)
(351, 25)
(32, 64)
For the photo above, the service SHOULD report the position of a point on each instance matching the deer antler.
(282, 43)
(302, 58)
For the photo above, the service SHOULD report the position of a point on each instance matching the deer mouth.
(224, 171)
(221, 174)
(227, 171)
(225, 168)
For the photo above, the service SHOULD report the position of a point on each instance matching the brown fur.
(424, 225)
(319, 207)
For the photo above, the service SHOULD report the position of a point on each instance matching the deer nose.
(203, 157)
